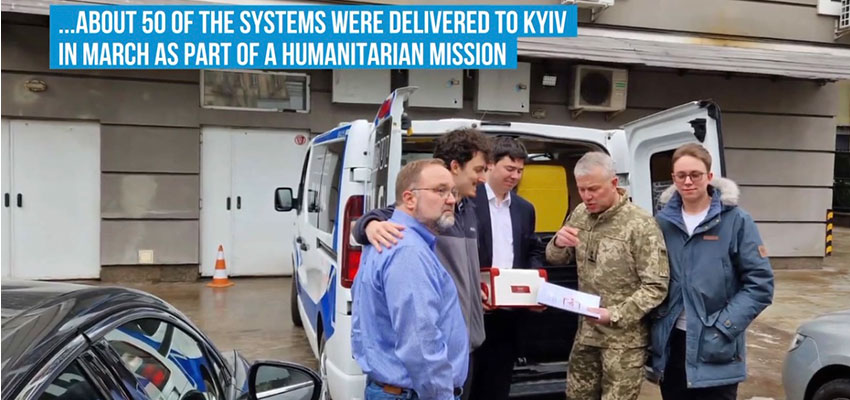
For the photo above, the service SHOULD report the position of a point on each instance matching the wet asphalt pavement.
(253, 317)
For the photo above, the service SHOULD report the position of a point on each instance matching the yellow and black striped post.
(830, 216)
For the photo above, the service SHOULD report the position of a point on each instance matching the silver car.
(817, 366)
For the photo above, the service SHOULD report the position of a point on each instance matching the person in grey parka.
(720, 280)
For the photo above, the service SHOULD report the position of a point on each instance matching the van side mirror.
(274, 380)
(283, 200)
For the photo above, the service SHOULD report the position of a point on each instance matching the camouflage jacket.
(622, 258)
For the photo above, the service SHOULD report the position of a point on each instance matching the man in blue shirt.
(408, 333)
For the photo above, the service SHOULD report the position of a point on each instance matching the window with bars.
(255, 90)
(841, 188)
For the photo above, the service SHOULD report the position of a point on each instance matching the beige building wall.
(793, 20)
(843, 117)
(778, 133)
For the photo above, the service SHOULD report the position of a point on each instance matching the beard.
(446, 221)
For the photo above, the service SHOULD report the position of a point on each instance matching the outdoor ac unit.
(599, 88)
(589, 3)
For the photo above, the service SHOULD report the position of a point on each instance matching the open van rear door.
(385, 149)
(652, 140)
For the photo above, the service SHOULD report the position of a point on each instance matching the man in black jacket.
(504, 218)
(506, 239)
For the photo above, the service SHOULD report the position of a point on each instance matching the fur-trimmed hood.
(720, 275)
(729, 192)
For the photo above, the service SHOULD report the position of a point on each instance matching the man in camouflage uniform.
(622, 258)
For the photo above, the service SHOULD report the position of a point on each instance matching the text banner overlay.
(299, 37)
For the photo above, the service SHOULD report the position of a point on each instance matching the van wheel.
(323, 371)
(838, 389)
(293, 304)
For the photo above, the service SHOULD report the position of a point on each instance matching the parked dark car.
(68, 341)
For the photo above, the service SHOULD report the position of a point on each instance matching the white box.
(504, 90)
(512, 287)
(145, 256)
(437, 88)
(360, 86)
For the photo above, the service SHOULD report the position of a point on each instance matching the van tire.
(323, 370)
(293, 304)
(834, 389)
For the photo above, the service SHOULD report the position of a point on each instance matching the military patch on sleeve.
(763, 251)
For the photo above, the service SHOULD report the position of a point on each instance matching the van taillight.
(350, 254)
(353, 264)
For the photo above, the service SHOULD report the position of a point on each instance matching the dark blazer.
(529, 251)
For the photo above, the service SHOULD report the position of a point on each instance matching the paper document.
(567, 299)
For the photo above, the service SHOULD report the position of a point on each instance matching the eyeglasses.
(442, 191)
(695, 176)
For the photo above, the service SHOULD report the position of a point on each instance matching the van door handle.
(238, 202)
(6, 200)
(228, 203)
(303, 246)
(20, 200)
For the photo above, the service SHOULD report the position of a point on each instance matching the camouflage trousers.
(603, 373)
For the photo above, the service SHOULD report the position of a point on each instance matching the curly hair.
(461, 145)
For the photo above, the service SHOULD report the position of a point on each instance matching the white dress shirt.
(502, 229)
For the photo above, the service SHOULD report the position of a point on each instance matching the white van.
(352, 168)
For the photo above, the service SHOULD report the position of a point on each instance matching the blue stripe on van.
(297, 251)
(332, 134)
(326, 304)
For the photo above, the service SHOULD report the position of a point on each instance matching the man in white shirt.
(500, 222)
(506, 239)
(506, 229)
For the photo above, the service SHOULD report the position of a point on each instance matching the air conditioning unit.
(589, 3)
(598, 89)
(829, 7)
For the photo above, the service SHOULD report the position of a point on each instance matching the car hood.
(836, 324)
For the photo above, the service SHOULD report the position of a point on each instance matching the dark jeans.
(494, 360)
(376, 392)
(467, 386)
(675, 383)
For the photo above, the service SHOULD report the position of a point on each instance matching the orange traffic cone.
(220, 277)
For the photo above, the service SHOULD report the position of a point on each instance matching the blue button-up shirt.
(408, 329)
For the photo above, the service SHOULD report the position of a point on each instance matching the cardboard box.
(512, 288)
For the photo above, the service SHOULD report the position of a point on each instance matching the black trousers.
(494, 360)
(470, 375)
(674, 386)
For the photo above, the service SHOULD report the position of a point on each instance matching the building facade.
(161, 174)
